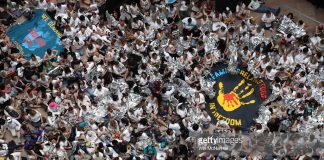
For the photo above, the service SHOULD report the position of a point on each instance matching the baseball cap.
(8, 119)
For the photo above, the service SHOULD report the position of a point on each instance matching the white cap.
(9, 119)
(160, 156)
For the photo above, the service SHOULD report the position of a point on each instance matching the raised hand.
(232, 100)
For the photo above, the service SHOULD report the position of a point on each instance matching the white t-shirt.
(268, 20)
(126, 135)
(175, 126)
(5, 98)
(286, 63)
(205, 119)
(254, 5)
(182, 113)
(37, 117)
(102, 93)
(271, 75)
(78, 45)
(36, 62)
(301, 58)
(16, 155)
(42, 5)
(188, 26)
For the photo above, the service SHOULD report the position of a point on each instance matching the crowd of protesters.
(130, 83)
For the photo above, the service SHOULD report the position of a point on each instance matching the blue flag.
(35, 36)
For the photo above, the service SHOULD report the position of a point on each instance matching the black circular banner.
(238, 96)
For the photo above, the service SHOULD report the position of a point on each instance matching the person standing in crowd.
(14, 127)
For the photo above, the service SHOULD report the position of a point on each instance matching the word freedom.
(218, 116)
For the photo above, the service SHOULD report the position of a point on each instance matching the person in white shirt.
(126, 134)
(82, 34)
(268, 19)
(155, 60)
(15, 156)
(313, 63)
(188, 25)
(4, 99)
(205, 120)
(175, 127)
(119, 69)
(255, 5)
(35, 117)
(69, 31)
(172, 14)
(14, 127)
(200, 100)
(137, 25)
(222, 33)
(101, 93)
(42, 4)
(270, 73)
(288, 40)
(78, 45)
(61, 8)
(171, 136)
(319, 46)
(182, 111)
(195, 129)
(241, 10)
(128, 48)
(243, 28)
(245, 54)
(133, 9)
(251, 23)
(300, 77)
(184, 9)
(166, 94)
(81, 21)
(84, 111)
(35, 61)
(286, 61)
(301, 58)
(66, 42)
(95, 18)
(51, 119)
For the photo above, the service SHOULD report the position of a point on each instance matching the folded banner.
(238, 96)
(35, 36)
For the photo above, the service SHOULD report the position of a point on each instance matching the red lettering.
(34, 33)
(28, 41)
(40, 42)
(263, 91)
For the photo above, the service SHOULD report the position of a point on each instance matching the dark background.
(317, 3)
